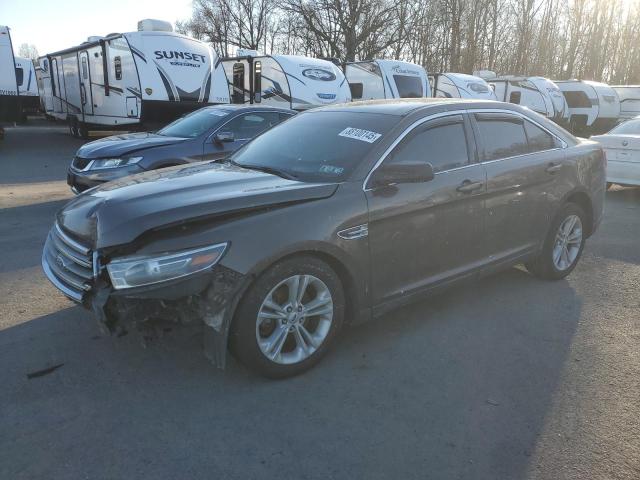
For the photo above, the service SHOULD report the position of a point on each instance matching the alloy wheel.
(568, 242)
(294, 319)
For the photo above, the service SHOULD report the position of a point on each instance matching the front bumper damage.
(208, 300)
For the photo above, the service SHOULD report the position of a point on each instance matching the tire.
(73, 127)
(288, 323)
(83, 131)
(548, 265)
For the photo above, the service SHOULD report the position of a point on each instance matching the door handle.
(468, 186)
(554, 168)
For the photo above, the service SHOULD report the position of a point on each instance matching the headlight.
(101, 163)
(128, 272)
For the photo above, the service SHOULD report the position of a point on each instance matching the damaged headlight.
(137, 271)
(102, 163)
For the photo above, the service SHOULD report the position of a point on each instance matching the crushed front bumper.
(206, 299)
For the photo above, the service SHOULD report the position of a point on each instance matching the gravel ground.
(506, 379)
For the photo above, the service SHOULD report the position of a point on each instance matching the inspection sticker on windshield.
(359, 134)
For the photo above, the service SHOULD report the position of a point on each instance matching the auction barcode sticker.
(359, 134)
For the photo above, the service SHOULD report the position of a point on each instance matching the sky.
(53, 25)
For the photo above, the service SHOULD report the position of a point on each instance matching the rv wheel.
(73, 126)
(83, 131)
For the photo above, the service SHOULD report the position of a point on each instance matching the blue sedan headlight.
(102, 163)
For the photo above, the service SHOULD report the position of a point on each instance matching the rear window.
(502, 136)
(195, 124)
(409, 87)
(630, 127)
(317, 146)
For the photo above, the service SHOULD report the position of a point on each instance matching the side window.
(117, 65)
(577, 99)
(19, 75)
(538, 139)
(442, 144)
(250, 125)
(409, 87)
(502, 136)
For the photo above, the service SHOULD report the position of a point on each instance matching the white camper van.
(27, 86)
(460, 85)
(288, 81)
(629, 96)
(152, 75)
(377, 79)
(537, 93)
(9, 95)
(594, 107)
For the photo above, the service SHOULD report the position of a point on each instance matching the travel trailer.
(288, 81)
(594, 107)
(128, 79)
(9, 95)
(376, 79)
(629, 96)
(460, 85)
(537, 93)
(27, 86)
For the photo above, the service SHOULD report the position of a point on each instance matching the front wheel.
(563, 246)
(289, 318)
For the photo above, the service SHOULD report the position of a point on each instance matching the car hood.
(125, 144)
(118, 212)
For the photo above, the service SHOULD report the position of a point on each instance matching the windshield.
(196, 123)
(317, 146)
(630, 127)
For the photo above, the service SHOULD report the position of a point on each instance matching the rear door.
(524, 163)
(85, 84)
(422, 234)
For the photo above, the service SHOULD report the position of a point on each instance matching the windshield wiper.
(265, 169)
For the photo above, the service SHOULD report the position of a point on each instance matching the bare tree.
(28, 50)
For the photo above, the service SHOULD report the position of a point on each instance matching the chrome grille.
(67, 264)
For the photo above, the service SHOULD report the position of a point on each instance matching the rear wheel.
(563, 245)
(289, 318)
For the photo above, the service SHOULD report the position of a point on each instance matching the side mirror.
(403, 173)
(223, 137)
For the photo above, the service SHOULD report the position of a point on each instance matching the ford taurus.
(334, 217)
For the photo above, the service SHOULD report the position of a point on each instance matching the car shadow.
(457, 386)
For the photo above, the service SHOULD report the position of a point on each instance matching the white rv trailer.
(460, 85)
(377, 79)
(152, 75)
(288, 81)
(9, 94)
(594, 107)
(629, 96)
(537, 93)
(27, 86)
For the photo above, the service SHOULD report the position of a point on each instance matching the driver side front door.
(424, 234)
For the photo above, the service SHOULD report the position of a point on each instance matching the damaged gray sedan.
(336, 216)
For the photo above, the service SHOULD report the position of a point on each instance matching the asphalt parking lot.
(512, 378)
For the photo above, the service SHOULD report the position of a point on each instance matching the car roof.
(232, 108)
(403, 107)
